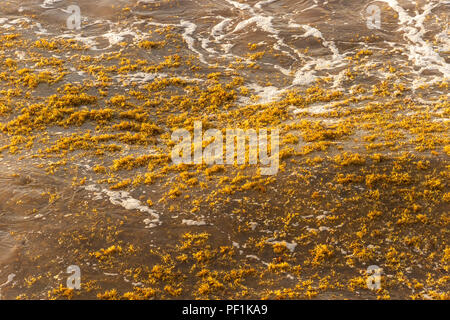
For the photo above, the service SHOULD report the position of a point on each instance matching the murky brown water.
(51, 218)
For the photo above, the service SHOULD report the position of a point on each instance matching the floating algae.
(86, 118)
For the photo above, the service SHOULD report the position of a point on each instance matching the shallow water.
(56, 209)
(412, 33)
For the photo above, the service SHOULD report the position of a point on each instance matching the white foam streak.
(264, 23)
(260, 4)
(217, 30)
(420, 52)
(123, 199)
(189, 29)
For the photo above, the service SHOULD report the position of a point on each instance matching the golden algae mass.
(94, 99)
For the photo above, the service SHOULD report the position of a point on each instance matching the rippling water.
(413, 33)
(298, 42)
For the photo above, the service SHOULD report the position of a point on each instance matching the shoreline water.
(87, 178)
